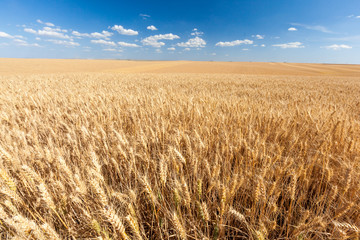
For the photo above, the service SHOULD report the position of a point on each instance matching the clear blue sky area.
(326, 31)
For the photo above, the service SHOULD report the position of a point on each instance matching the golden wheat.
(179, 156)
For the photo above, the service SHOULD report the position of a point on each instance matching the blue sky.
(320, 31)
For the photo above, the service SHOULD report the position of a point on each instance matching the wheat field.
(91, 151)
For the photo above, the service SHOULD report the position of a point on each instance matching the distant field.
(36, 66)
(93, 149)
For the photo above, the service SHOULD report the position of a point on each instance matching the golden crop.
(179, 156)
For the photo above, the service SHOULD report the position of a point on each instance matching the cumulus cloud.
(292, 29)
(120, 29)
(65, 43)
(154, 40)
(152, 28)
(76, 33)
(55, 29)
(196, 32)
(290, 45)
(5, 35)
(193, 42)
(125, 44)
(258, 36)
(103, 34)
(103, 42)
(338, 46)
(187, 49)
(45, 23)
(234, 43)
(263, 45)
(30, 30)
(48, 32)
(171, 49)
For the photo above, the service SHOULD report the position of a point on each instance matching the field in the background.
(178, 150)
(41, 66)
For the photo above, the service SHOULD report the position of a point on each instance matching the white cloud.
(103, 42)
(5, 35)
(337, 47)
(193, 42)
(30, 30)
(234, 43)
(45, 23)
(112, 50)
(353, 16)
(65, 43)
(21, 42)
(263, 45)
(103, 34)
(120, 29)
(154, 40)
(290, 45)
(258, 36)
(55, 29)
(187, 49)
(171, 49)
(30, 45)
(76, 33)
(52, 34)
(48, 32)
(196, 32)
(213, 54)
(153, 43)
(158, 50)
(314, 27)
(152, 28)
(292, 29)
(144, 16)
(245, 49)
(125, 44)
